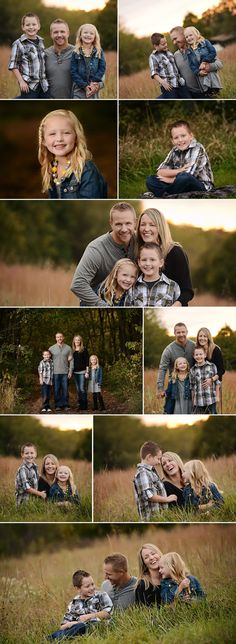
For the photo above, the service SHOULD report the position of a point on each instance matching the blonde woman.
(81, 370)
(176, 580)
(200, 492)
(87, 63)
(200, 51)
(213, 351)
(63, 490)
(47, 476)
(172, 466)
(147, 589)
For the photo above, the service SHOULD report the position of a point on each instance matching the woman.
(152, 227)
(173, 467)
(147, 590)
(48, 473)
(213, 352)
(81, 370)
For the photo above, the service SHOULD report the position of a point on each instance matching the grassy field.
(36, 588)
(36, 509)
(154, 405)
(140, 84)
(114, 496)
(9, 87)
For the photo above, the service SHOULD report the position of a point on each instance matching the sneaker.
(42, 410)
(48, 409)
(67, 408)
(57, 408)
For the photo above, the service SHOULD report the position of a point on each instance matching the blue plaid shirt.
(197, 156)
(29, 58)
(78, 606)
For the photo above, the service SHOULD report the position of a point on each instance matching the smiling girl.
(87, 63)
(64, 491)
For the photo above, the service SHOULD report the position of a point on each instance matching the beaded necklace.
(54, 171)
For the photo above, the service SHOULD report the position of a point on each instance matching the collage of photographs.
(118, 427)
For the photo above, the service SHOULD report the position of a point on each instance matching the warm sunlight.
(161, 15)
(213, 214)
(176, 421)
(86, 5)
(63, 422)
(214, 318)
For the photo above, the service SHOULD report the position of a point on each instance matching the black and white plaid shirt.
(164, 64)
(45, 370)
(147, 483)
(26, 477)
(28, 56)
(197, 156)
(78, 606)
(163, 292)
(197, 375)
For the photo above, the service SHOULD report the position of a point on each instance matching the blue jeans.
(184, 182)
(45, 393)
(80, 387)
(35, 93)
(206, 409)
(176, 92)
(77, 629)
(61, 393)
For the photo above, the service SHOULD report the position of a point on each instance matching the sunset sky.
(207, 214)
(86, 5)
(212, 317)
(69, 421)
(158, 15)
(176, 421)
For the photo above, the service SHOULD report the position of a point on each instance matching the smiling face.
(181, 334)
(59, 34)
(169, 466)
(87, 588)
(150, 263)
(50, 467)
(59, 136)
(150, 558)
(29, 454)
(126, 276)
(123, 226)
(63, 474)
(114, 576)
(181, 364)
(181, 137)
(178, 38)
(148, 229)
(46, 355)
(189, 36)
(199, 356)
(88, 34)
(31, 26)
(162, 45)
(163, 569)
(59, 338)
(203, 339)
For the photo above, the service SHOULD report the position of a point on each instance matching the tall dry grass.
(27, 285)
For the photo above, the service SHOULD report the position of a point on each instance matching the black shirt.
(173, 489)
(148, 596)
(81, 360)
(176, 267)
(43, 486)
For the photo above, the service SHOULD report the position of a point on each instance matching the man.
(192, 81)
(180, 348)
(62, 356)
(58, 59)
(119, 584)
(103, 252)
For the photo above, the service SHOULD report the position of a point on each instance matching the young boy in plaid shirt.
(27, 61)
(45, 371)
(26, 483)
(204, 395)
(150, 493)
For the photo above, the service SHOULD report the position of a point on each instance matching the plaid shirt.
(78, 606)
(164, 64)
(197, 156)
(45, 370)
(197, 375)
(163, 292)
(147, 483)
(26, 477)
(28, 56)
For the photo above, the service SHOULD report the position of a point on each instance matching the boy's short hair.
(151, 246)
(199, 349)
(57, 21)
(180, 324)
(78, 577)
(29, 15)
(180, 124)
(122, 207)
(47, 351)
(149, 447)
(118, 561)
(156, 38)
(22, 449)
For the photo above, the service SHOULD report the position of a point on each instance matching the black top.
(147, 596)
(217, 359)
(81, 360)
(43, 486)
(176, 267)
(173, 489)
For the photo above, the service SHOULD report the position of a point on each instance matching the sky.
(142, 19)
(65, 422)
(86, 5)
(171, 422)
(205, 214)
(212, 317)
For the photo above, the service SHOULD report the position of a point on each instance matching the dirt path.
(113, 406)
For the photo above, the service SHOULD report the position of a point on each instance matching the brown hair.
(118, 561)
(29, 15)
(78, 577)
(149, 447)
(156, 38)
(181, 124)
(57, 21)
(27, 445)
(122, 207)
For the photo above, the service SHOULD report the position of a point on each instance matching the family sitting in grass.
(188, 486)
(163, 580)
(55, 482)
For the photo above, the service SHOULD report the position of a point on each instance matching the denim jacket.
(191, 499)
(207, 54)
(56, 494)
(92, 185)
(98, 375)
(171, 394)
(79, 70)
(169, 588)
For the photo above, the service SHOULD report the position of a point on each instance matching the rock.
(219, 193)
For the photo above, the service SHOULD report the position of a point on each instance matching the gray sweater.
(168, 357)
(96, 263)
(190, 78)
(121, 596)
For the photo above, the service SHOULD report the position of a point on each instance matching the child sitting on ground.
(89, 606)
(26, 482)
(149, 491)
(63, 490)
(152, 288)
(186, 168)
(200, 492)
(45, 371)
(176, 581)
(164, 70)
(204, 398)
(200, 51)
(27, 60)
(178, 393)
(114, 288)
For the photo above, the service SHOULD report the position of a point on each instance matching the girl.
(67, 170)
(87, 63)
(64, 491)
(81, 370)
(117, 283)
(49, 467)
(178, 393)
(95, 382)
(176, 581)
(199, 491)
(147, 590)
(200, 52)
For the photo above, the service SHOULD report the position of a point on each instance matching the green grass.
(38, 510)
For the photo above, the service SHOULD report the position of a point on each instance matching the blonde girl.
(200, 53)
(87, 63)
(95, 383)
(176, 580)
(178, 393)
(66, 166)
(63, 490)
(147, 589)
(49, 467)
(123, 275)
(200, 491)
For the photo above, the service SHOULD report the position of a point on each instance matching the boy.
(186, 167)
(150, 493)
(27, 60)
(27, 476)
(164, 70)
(89, 605)
(152, 287)
(204, 395)
(45, 370)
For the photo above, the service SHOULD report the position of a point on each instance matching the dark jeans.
(81, 391)
(45, 393)
(61, 393)
(176, 92)
(77, 629)
(35, 93)
(183, 182)
(206, 409)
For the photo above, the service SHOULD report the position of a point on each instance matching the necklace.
(54, 171)
(87, 53)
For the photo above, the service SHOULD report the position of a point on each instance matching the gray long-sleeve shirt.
(62, 356)
(192, 81)
(171, 352)
(96, 263)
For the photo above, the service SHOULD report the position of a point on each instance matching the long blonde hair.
(176, 565)
(210, 345)
(70, 478)
(79, 155)
(176, 458)
(198, 37)
(43, 471)
(198, 475)
(96, 43)
(163, 231)
(175, 372)
(81, 343)
(93, 356)
(143, 569)
(109, 285)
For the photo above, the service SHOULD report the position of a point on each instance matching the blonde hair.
(110, 283)
(79, 155)
(198, 475)
(96, 43)
(81, 343)
(198, 37)
(210, 345)
(43, 471)
(176, 458)
(143, 569)
(70, 478)
(176, 565)
(93, 356)
(164, 238)
(175, 372)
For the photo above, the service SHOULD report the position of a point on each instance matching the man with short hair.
(62, 356)
(119, 584)
(58, 60)
(181, 347)
(103, 252)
